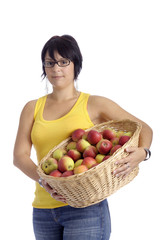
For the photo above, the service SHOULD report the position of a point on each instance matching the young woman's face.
(58, 76)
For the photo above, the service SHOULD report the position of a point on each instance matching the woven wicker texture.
(97, 183)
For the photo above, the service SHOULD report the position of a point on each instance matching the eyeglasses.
(61, 63)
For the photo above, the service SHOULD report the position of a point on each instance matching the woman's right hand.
(52, 192)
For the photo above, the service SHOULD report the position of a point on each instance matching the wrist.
(40, 182)
(148, 154)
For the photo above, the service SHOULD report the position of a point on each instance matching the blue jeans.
(68, 223)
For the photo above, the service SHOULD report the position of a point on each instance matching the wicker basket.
(97, 183)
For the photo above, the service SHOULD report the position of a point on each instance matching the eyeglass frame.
(56, 62)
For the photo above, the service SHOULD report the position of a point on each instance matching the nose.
(55, 68)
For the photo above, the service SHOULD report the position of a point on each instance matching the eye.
(48, 64)
(64, 62)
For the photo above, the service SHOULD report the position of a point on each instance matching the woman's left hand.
(136, 155)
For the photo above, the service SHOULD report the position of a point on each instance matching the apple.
(90, 151)
(115, 148)
(106, 157)
(128, 134)
(67, 173)
(104, 146)
(56, 173)
(80, 169)
(71, 145)
(94, 137)
(99, 158)
(82, 144)
(66, 163)
(77, 134)
(74, 154)
(114, 141)
(78, 162)
(94, 165)
(84, 136)
(123, 139)
(119, 133)
(49, 165)
(59, 153)
(89, 161)
(109, 133)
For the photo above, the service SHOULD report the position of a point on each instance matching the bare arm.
(102, 109)
(23, 144)
(22, 149)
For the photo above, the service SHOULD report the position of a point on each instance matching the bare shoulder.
(100, 101)
(28, 109)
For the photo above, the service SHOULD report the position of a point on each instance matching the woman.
(52, 118)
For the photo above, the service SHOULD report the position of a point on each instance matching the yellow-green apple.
(66, 163)
(115, 148)
(104, 146)
(78, 162)
(89, 161)
(49, 165)
(56, 173)
(128, 134)
(71, 145)
(84, 136)
(74, 154)
(99, 158)
(123, 139)
(114, 141)
(119, 133)
(109, 133)
(67, 173)
(80, 169)
(94, 137)
(77, 134)
(90, 151)
(82, 144)
(59, 153)
(106, 157)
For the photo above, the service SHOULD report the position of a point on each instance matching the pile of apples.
(86, 149)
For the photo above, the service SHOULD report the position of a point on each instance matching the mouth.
(57, 77)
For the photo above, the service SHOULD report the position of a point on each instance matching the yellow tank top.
(47, 134)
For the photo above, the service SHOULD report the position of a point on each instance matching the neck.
(64, 94)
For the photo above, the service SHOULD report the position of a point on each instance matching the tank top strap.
(39, 106)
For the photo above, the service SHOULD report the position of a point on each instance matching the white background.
(119, 41)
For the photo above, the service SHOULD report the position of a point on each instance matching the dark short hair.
(67, 47)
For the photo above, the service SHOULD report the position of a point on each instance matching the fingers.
(53, 192)
(123, 170)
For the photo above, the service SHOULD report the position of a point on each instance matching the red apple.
(77, 134)
(89, 161)
(99, 158)
(90, 151)
(104, 146)
(82, 144)
(67, 173)
(106, 157)
(94, 165)
(115, 148)
(80, 169)
(66, 163)
(123, 139)
(109, 133)
(94, 137)
(74, 154)
(56, 173)
(114, 141)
